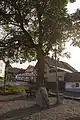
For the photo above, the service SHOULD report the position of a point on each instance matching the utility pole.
(57, 85)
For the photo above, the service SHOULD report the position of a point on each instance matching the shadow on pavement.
(17, 114)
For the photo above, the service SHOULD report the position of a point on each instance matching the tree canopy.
(75, 32)
(32, 23)
(32, 28)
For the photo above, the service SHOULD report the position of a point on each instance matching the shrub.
(13, 90)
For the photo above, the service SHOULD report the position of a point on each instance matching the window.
(60, 78)
(77, 84)
(51, 71)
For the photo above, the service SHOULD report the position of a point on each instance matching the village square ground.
(20, 108)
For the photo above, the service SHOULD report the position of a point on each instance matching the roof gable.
(69, 67)
(51, 62)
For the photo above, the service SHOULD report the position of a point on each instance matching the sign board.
(2, 68)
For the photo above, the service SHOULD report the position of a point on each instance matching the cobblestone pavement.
(25, 110)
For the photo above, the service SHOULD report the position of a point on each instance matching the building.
(50, 69)
(11, 72)
(28, 74)
(50, 72)
(72, 82)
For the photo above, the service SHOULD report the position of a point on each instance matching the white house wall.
(71, 85)
(51, 77)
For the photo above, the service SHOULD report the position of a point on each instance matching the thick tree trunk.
(41, 94)
(40, 68)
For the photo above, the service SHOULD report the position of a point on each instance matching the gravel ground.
(14, 105)
(22, 110)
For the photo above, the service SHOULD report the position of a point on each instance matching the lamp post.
(57, 85)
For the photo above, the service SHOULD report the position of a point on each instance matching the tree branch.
(7, 16)
(39, 14)
(22, 27)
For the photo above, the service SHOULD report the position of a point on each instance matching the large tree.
(32, 28)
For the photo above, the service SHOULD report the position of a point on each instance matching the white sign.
(2, 68)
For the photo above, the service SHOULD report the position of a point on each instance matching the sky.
(75, 51)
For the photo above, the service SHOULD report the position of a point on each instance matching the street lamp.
(57, 85)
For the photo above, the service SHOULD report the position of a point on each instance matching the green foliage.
(75, 29)
(13, 90)
(29, 24)
(17, 89)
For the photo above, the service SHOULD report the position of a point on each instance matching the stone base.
(42, 99)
